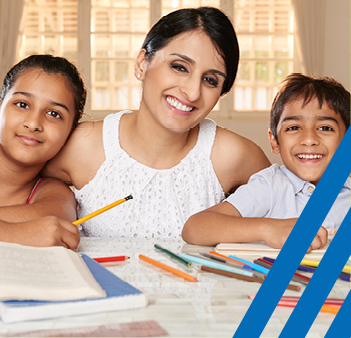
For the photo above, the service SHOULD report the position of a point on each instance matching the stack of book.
(41, 283)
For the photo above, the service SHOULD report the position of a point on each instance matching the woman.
(167, 155)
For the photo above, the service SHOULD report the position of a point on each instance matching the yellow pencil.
(98, 212)
(314, 263)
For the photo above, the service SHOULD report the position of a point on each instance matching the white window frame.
(84, 62)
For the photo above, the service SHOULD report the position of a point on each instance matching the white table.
(212, 307)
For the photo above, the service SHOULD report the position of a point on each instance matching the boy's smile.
(308, 137)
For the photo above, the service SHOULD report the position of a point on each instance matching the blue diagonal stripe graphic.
(321, 283)
(340, 326)
(296, 245)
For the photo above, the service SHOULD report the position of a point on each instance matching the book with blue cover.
(118, 295)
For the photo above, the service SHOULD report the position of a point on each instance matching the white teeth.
(309, 156)
(176, 104)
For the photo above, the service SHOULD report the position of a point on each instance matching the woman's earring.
(138, 76)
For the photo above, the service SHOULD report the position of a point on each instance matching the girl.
(173, 160)
(41, 101)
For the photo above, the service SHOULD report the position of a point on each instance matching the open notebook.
(256, 249)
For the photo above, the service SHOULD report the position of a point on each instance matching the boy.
(309, 118)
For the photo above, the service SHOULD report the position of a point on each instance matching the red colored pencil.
(111, 259)
(298, 275)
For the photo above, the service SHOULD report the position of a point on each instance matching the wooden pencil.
(297, 276)
(242, 277)
(168, 268)
(100, 211)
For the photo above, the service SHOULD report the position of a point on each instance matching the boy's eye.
(178, 67)
(54, 114)
(211, 81)
(22, 105)
(293, 128)
(325, 128)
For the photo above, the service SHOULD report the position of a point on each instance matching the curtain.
(309, 26)
(11, 18)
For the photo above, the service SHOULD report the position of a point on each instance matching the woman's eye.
(54, 114)
(211, 81)
(325, 128)
(22, 105)
(178, 67)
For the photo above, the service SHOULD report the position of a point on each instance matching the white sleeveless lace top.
(162, 199)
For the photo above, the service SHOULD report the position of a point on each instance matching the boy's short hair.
(325, 89)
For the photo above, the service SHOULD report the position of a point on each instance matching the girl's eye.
(325, 128)
(293, 128)
(178, 67)
(211, 81)
(22, 105)
(54, 114)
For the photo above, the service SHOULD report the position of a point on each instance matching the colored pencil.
(242, 277)
(111, 259)
(297, 276)
(343, 276)
(300, 267)
(328, 301)
(206, 262)
(344, 273)
(324, 308)
(168, 268)
(100, 211)
(227, 257)
(314, 263)
(228, 261)
(253, 265)
(173, 255)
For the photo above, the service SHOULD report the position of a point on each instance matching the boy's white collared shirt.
(276, 192)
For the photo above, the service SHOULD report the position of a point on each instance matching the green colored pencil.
(175, 256)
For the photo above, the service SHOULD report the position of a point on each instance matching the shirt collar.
(296, 181)
(299, 184)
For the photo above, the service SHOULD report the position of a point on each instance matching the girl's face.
(36, 117)
(183, 81)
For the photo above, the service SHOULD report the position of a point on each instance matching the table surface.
(213, 307)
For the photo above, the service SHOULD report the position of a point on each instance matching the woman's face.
(183, 81)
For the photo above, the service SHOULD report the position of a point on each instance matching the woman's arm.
(235, 159)
(80, 158)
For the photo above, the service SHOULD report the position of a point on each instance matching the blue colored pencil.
(206, 262)
(253, 265)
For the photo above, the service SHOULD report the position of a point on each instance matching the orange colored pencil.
(168, 268)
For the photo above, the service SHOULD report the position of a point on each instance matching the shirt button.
(310, 189)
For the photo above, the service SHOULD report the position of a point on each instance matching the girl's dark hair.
(51, 65)
(210, 20)
(297, 86)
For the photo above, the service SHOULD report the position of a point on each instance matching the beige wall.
(336, 64)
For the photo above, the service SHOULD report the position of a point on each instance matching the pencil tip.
(129, 197)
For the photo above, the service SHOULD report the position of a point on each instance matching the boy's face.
(308, 137)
